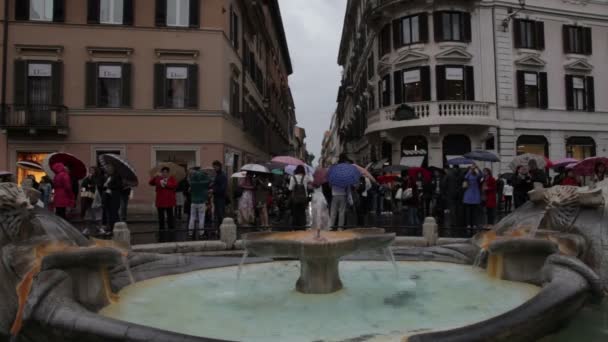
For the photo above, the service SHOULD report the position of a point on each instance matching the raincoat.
(62, 184)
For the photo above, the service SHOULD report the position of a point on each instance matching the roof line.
(278, 23)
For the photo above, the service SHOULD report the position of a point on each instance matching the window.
(178, 13)
(38, 84)
(580, 147)
(455, 83)
(235, 98)
(372, 100)
(529, 34)
(111, 11)
(384, 43)
(456, 145)
(532, 89)
(452, 26)
(534, 144)
(108, 85)
(577, 39)
(234, 28)
(410, 30)
(41, 10)
(176, 86)
(580, 93)
(412, 85)
(384, 89)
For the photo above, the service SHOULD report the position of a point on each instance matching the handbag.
(407, 194)
(399, 194)
(97, 202)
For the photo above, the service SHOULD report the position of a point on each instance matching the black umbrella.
(122, 167)
(482, 156)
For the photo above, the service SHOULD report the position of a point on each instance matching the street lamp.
(505, 22)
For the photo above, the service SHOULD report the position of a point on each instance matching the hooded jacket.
(199, 187)
(62, 184)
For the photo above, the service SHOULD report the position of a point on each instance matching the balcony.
(434, 114)
(34, 119)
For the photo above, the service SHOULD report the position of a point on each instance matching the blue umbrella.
(343, 175)
(482, 156)
(460, 161)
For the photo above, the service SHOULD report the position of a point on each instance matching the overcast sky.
(313, 29)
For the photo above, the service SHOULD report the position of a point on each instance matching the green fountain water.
(263, 306)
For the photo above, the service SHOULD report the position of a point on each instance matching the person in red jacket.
(570, 179)
(64, 195)
(489, 188)
(165, 202)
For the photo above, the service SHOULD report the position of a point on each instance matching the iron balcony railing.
(29, 116)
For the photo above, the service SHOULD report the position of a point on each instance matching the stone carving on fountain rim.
(563, 204)
(13, 211)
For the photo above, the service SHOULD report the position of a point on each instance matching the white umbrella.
(240, 174)
(255, 168)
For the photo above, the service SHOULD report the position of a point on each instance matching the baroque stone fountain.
(55, 285)
(319, 252)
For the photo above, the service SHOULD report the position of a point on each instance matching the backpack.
(299, 195)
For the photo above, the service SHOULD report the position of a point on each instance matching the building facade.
(445, 77)
(330, 147)
(187, 81)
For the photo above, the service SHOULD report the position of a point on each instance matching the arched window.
(414, 143)
(456, 145)
(535, 144)
(580, 147)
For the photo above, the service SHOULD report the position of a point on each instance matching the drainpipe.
(494, 38)
(4, 57)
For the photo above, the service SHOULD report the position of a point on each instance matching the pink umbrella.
(286, 160)
(564, 162)
(319, 176)
(587, 166)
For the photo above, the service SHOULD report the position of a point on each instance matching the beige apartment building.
(187, 81)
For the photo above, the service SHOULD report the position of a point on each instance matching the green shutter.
(57, 82)
(126, 85)
(20, 95)
(192, 86)
(91, 84)
(159, 85)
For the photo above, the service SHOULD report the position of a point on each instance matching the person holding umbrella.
(472, 196)
(165, 185)
(599, 172)
(112, 186)
(219, 187)
(199, 193)
(341, 178)
(298, 186)
(570, 179)
(522, 184)
(64, 195)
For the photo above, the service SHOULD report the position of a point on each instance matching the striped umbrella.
(122, 167)
(30, 166)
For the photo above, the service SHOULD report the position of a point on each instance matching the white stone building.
(448, 77)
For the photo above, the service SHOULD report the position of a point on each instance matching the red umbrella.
(76, 166)
(387, 179)
(319, 176)
(587, 166)
(287, 160)
(414, 171)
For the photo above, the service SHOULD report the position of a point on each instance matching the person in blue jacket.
(472, 195)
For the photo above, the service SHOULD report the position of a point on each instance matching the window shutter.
(192, 86)
(466, 22)
(438, 26)
(91, 84)
(440, 78)
(587, 41)
(423, 27)
(59, 11)
(159, 85)
(521, 89)
(231, 23)
(126, 84)
(57, 83)
(540, 35)
(161, 13)
(380, 95)
(590, 88)
(469, 83)
(566, 39)
(93, 11)
(543, 95)
(397, 33)
(517, 33)
(569, 93)
(20, 96)
(425, 77)
(195, 13)
(22, 10)
(236, 31)
(398, 79)
(127, 14)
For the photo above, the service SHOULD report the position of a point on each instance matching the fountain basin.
(375, 306)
